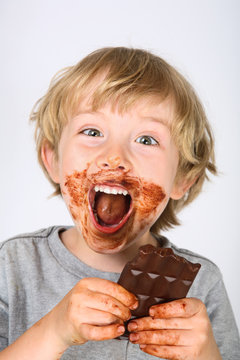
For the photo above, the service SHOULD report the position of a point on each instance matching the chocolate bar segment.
(157, 275)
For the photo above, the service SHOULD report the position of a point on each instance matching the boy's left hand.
(178, 330)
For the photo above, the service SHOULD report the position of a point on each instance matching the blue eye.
(92, 132)
(147, 140)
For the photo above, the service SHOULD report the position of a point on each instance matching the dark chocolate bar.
(157, 275)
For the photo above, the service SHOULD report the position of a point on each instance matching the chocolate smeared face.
(117, 171)
(111, 208)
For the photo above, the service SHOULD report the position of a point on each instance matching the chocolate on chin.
(157, 275)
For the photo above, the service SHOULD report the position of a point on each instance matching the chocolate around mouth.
(109, 212)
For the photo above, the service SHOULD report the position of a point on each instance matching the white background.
(199, 37)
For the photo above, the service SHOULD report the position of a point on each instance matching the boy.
(124, 139)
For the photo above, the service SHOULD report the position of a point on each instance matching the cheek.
(165, 173)
(152, 196)
(75, 189)
(71, 157)
(150, 206)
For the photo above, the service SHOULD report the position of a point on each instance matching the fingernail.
(143, 346)
(120, 329)
(134, 306)
(134, 337)
(132, 326)
(152, 312)
(129, 317)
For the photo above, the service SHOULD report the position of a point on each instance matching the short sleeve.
(223, 322)
(3, 305)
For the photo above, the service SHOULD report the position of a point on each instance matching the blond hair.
(131, 74)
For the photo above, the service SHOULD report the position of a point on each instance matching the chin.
(105, 243)
(105, 249)
(117, 242)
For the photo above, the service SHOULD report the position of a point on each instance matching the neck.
(75, 243)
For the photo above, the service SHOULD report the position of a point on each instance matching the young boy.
(124, 139)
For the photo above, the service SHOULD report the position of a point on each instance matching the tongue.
(111, 208)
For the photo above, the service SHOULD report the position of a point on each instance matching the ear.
(181, 187)
(49, 160)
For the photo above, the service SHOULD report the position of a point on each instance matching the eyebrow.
(154, 119)
(86, 112)
(157, 120)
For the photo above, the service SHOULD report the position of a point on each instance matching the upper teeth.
(110, 190)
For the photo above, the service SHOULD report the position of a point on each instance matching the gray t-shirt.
(36, 272)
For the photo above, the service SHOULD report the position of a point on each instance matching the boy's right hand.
(95, 309)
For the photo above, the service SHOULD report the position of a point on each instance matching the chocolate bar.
(157, 275)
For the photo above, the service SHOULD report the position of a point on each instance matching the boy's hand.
(178, 330)
(95, 309)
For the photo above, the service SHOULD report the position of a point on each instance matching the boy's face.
(130, 155)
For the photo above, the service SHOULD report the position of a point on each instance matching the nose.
(113, 162)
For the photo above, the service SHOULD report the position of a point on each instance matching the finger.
(106, 303)
(167, 352)
(98, 333)
(98, 317)
(177, 308)
(148, 323)
(162, 337)
(112, 289)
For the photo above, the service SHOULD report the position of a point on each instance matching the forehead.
(93, 98)
(102, 89)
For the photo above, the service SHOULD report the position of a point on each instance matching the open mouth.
(110, 207)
